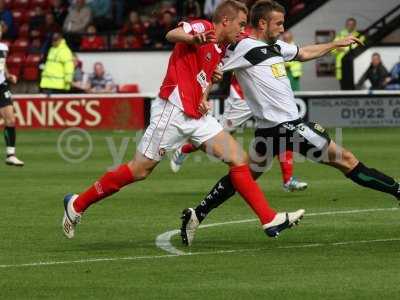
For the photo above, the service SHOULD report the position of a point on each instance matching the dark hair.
(262, 9)
(230, 9)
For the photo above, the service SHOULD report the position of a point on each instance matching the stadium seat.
(31, 67)
(8, 3)
(20, 16)
(42, 3)
(128, 88)
(20, 45)
(20, 4)
(23, 30)
(30, 14)
(14, 63)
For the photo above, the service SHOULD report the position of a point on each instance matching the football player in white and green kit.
(7, 109)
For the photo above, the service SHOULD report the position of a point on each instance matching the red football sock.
(251, 192)
(110, 183)
(286, 162)
(188, 148)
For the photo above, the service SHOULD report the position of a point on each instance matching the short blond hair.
(229, 9)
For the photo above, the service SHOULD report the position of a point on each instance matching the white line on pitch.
(217, 252)
(163, 241)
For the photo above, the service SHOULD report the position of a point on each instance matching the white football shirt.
(3, 56)
(261, 73)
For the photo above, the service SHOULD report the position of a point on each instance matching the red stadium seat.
(32, 60)
(31, 67)
(128, 88)
(20, 16)
(14, 63)
(20, 45)
(23, 30)
(20, 4)
(8, 3)
(30, 14)
(42, 3)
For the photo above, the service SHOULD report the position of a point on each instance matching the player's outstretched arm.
(178, 35)
(318, 50)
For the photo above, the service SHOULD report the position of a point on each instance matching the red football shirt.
(190, 69)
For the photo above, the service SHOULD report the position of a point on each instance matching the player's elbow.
(171, 36)
(302, 55)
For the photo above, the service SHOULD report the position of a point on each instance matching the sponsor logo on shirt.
(278, 70)
(198, 27)
(264, 51)
(208, 56)
(202, 80)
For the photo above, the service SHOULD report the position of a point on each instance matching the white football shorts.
(170, 128)
(236, 113)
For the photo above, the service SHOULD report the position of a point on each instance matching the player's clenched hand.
(12, 78)
(347, 41)
(204, 38)
(204, 107)
(217, 76)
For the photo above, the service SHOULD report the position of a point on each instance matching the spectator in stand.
(100, 81)
(119, 8)
(36, 24)
(168, 23)
(50, 25)
(154, 36)
(393, 82)
(79, 82)
(102, 15)
(191, 10)
(168, 6)
(48, 29)
(78, 18)
(351, 29)
(210, 6)
(59, 11)
(294, 68)
(133, 25)
(377, 74)
(59, 67)
(129, 41)
(7, 22)
(91, 41)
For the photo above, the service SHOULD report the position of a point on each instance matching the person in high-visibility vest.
(351, 29)
(294, 69)
(59, 67)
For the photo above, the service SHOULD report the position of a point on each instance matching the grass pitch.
(350, 255)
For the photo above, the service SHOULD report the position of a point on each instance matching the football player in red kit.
(180, 113)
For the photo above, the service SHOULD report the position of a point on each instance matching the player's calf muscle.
(341, 158)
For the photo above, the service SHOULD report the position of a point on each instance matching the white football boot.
(71, 217)
(294, 185)
(189, 225)
(12, 160)
(177, 160)
(283, 221)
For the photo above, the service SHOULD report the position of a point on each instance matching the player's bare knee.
(141, 168)
(240, 159)
(349, 159)
(9, 121)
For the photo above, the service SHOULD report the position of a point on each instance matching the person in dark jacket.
(376, 74)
